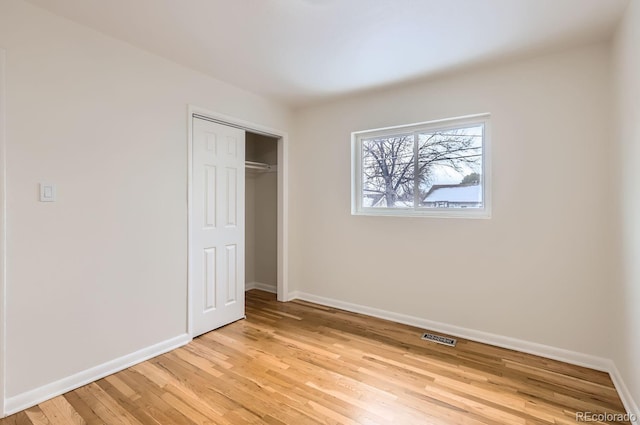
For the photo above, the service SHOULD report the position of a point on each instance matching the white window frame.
(445, 124)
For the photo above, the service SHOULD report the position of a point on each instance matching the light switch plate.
(47, 192)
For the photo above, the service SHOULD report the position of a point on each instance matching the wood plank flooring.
(300, 363)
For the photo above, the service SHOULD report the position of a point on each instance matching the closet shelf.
(259, 166)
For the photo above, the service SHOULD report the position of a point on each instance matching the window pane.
(450, 168)
(387, 172)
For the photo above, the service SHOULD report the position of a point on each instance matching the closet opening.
(261, 212)
(215, 143)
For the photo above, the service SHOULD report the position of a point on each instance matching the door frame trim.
(283, 198)
(3, 235)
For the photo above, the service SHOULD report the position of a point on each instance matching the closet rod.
(257, 165)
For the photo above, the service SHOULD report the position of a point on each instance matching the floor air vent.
(451, 342)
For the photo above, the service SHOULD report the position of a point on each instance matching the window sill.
(441, 213)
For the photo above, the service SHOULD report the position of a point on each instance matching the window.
(438, 168)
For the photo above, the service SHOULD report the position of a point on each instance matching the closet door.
(217, 227)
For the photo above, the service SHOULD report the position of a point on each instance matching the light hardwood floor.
(300, 363)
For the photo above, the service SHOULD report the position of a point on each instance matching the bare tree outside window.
(388, 171)
(406, 170)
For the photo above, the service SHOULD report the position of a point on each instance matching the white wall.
(626, 331)
(538, 270)
(102, 272)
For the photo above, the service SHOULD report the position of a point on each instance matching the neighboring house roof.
(454, 193)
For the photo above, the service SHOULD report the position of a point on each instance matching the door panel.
(232, 276)
(217, 239)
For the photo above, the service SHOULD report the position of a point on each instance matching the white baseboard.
(625, 395)
(261, 286)
(554, 353)
(54, 389)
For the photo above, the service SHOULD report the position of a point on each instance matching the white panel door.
(217, 228)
